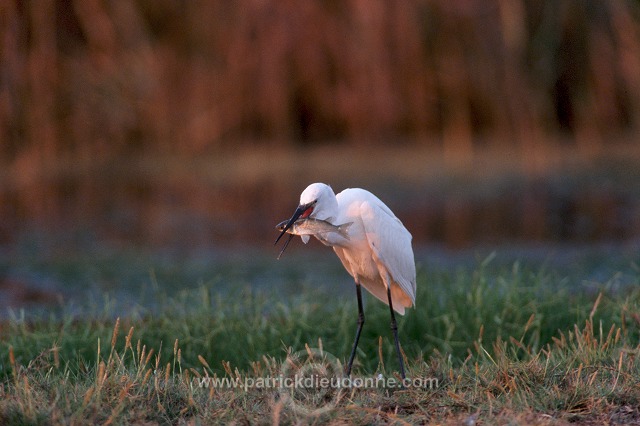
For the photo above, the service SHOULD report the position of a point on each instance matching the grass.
(506, 345)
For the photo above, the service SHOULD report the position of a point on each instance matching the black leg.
(359, 330)
(394, 328)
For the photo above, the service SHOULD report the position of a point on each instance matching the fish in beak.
(303, 210)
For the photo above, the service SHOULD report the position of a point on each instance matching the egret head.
(318, 201)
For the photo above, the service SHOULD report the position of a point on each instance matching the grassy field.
(498, 343)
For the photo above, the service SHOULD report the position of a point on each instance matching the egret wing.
(391, 244)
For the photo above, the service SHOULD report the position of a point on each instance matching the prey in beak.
(303, 210)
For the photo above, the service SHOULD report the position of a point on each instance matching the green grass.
(507, 345)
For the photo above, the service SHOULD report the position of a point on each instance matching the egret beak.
(285, 245)
(299, 211)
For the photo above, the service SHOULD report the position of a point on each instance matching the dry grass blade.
(595, 307)
(114, 336)
(203, 361)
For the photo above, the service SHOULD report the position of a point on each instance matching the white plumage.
(377, 254)
(378, 251)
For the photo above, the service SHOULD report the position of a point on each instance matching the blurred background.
(193, 126)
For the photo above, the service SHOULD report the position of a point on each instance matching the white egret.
(377, 254)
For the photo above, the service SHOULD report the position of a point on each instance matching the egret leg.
(358, 331)
(394, 328)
